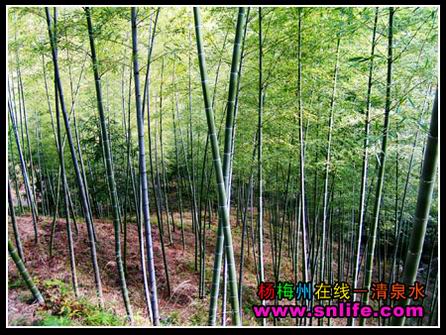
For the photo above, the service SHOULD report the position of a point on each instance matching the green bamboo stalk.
(434, 302)
(16, 184)
(109, 167)
(399, 217)
(65, 191)
(24, 273)
(302, 147)
(15, 229)
(196, 226)
(361, 213)
(425, 191)
(222, 201)
(204, 196)
(55, 214)
(328, 159)
(143, 175)
(165, 188)
(24, 171)
(259, 161)
(28, 143)
(177, 160)
(381, 169)
(81, 186)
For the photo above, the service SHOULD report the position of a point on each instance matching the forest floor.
(182, 308)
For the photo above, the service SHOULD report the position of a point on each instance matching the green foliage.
(62, 308)
(21, 321)
(95, 317)
(17, 283)
(190, 266)
(171, 320)
(54, 321)
(199, 317)
(26, 297)
(414, 67)
(57, 284)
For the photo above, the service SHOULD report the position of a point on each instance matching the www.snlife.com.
(342, 310)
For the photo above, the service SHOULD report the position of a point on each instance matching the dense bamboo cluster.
(297, 162)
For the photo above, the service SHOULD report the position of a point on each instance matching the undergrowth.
(63, 309)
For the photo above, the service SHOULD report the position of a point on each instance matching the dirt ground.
(182, 308)
(183, 301)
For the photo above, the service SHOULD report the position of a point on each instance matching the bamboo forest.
(222, 166)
